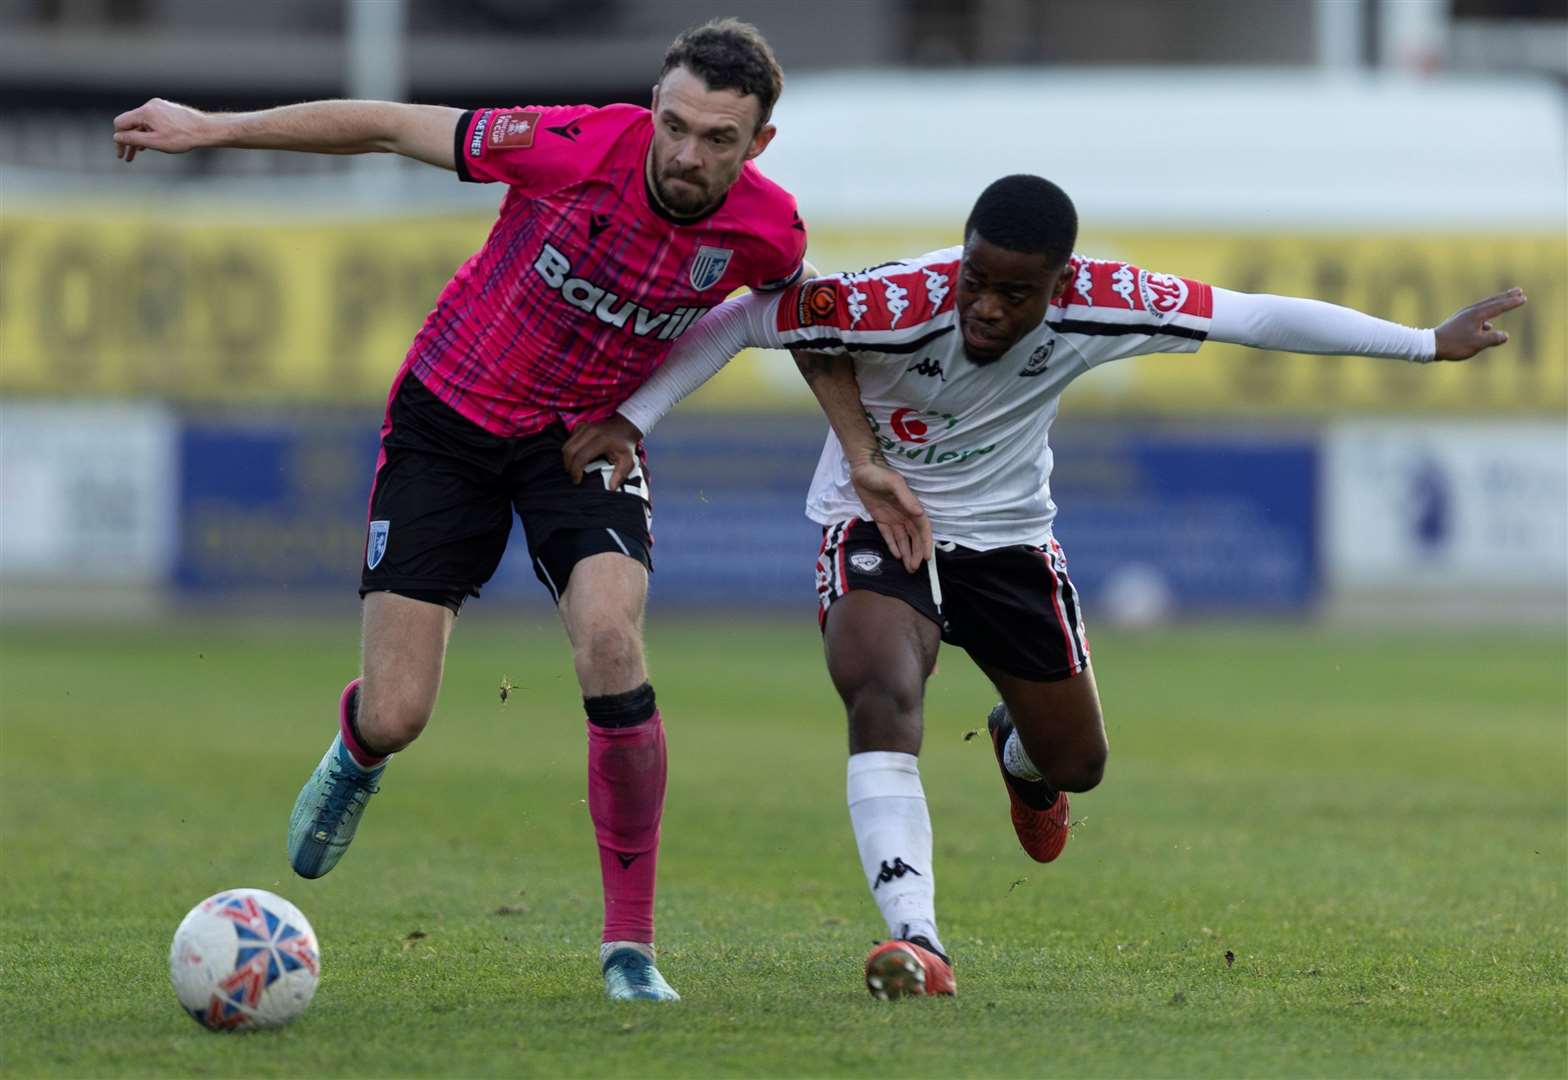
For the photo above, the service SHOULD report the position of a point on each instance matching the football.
(244, 958)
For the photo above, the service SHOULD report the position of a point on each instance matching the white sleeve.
(1288, 324)
(705, 347)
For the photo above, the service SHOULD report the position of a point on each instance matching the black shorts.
(444, 492)
(1013, 608)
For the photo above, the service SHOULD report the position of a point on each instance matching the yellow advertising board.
(93, 303)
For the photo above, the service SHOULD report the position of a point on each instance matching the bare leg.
(404, 652)
(880, 652)
(1060, 726)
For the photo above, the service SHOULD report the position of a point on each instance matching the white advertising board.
(87, 492)
(1446, 506)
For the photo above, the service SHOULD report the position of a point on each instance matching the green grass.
(1376, 827)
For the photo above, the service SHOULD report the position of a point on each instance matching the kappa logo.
(936, 287)
(1121, 281)
(514, 129)
(857, 305)
(555, 268)
(1163, 294)
(867, 562)
(377, 545)
(1083, 283)
(897, 300)
(708, 266)
(897, 870)
(1038, 360)
(929, 366)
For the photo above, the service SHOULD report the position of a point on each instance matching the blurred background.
(195, 351)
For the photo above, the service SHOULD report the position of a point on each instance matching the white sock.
(887, 808)
(605, 949)
(1016, 761)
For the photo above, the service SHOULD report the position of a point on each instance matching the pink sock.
(364, 757)
(626, 771)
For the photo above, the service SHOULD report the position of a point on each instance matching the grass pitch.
(1314, 854)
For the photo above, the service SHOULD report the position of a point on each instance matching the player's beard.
(695, 198)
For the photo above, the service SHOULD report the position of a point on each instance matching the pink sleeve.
(785, 251)
(539, 148)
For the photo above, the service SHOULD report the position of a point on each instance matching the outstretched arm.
(887, 498)
(1288, 324)
(421, 132)
(697, 357)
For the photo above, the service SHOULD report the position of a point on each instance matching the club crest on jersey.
(708, 266)
(1163, 294)
(377, 546)
(1038, 359)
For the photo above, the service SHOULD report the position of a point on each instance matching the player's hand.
(898, 514)
(1469, 330)
(614, 440)
(160, 125)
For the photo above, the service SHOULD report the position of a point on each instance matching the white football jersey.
(972, 440)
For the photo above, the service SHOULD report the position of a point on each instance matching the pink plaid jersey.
(584, 284)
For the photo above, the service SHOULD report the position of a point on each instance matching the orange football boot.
(1041, 830)
(908, 968)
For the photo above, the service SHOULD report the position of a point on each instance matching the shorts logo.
(708, 266)
(377, 546)
(867, 562)
(514, 129)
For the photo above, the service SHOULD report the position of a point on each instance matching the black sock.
(621, 710)
(353, 725)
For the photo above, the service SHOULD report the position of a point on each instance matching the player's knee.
(389, 726)
(1084, 771)
(608, 657)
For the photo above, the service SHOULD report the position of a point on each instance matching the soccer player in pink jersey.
(947, 370)
(619, 228)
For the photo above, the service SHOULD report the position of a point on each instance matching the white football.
(244, 958)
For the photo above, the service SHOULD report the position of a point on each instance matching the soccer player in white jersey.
(961, 356)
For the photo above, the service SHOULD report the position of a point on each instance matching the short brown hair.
(728, 54)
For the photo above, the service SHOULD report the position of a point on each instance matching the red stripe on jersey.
(1120, 286)
(879, 301)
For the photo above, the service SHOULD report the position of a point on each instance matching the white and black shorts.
(1013, 608)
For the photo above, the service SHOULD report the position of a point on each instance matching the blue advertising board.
(1215, 522)
(1209, 522)
(279, 503)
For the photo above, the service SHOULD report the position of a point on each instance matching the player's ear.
(759, 141)
(1064, 278)
(654, 108)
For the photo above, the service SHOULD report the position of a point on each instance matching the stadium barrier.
(1158, 518)
(234, 504)
(100, 303)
